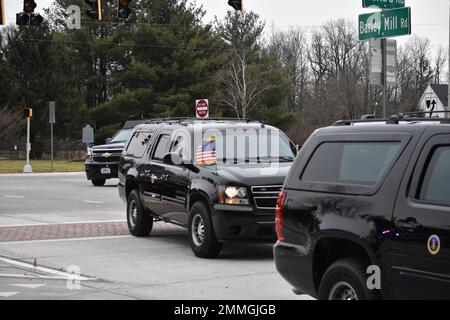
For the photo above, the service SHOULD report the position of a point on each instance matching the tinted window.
(436, 184)
(357, 163)
(162, 147)
(138, 144)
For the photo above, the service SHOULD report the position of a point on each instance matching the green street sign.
(384, 4)
(385, 24)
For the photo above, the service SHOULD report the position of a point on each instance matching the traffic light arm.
(99, 3)
(2, 12)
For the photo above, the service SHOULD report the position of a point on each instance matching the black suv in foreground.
(102, 161)
(365, 211)
(219, 178)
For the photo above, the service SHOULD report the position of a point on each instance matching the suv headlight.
(233, 196)
(89, 153)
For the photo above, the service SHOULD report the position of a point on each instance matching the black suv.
(219, 178)
(365, 211)
(102, 161)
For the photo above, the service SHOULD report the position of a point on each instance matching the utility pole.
(384, 49)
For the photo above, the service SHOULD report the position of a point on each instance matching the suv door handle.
(409, 223)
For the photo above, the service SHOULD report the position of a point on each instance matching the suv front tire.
(203, 240)
(98, 182)
(140, 222)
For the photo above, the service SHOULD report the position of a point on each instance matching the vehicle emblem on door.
(434, 244)
(106, 155)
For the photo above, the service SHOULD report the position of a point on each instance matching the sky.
(430, 18)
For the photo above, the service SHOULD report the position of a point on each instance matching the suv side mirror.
(108, 140)
(174, 159)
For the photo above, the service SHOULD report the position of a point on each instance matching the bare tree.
(290, 48)
(242, 78)
(440, 62)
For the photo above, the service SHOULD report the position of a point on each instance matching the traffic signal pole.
(28, 168)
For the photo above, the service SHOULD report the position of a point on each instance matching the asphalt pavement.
(80, 249)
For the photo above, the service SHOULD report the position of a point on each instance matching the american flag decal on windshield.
(206, 153)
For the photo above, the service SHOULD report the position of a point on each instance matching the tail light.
(279, 215)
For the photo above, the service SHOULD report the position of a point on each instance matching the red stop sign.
(202, 108)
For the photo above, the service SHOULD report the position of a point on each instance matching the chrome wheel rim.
(342, 291)
(132, 213)
(198, 230)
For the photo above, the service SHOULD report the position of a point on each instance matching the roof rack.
(182, 120)
(397, 118)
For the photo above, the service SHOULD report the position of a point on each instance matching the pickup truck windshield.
(121, 136)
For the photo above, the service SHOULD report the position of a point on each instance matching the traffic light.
(29, 6)
(124, 9)
(27, 112)
(95, 12)
(236, 4)
(28, 17)
(2, 13)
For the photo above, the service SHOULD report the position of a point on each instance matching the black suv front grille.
(107, 157)
(266, 196)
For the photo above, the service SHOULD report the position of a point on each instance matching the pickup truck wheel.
(346, 279)
(201, 234)
(98, 182)
(140, 222)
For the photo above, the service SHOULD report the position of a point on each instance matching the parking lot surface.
(62, 238)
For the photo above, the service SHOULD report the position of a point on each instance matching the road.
(62, 238)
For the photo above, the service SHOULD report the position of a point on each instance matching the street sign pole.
(51, 146)
(384, 45)
(28, 168)
(448, 106)
(51, 110)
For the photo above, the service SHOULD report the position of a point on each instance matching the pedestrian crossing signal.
(27, 112)
(236, 4)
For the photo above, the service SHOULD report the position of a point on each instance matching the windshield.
(251, 146)
(121, 136)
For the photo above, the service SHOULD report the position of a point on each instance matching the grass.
(16, 166)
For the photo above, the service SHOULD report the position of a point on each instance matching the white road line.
(7, 294)
(49, 174)
(24, 276)
(28, 285)
(92, 201)
(9, 243)
(12, 196)
(58, 273)
(60, 223)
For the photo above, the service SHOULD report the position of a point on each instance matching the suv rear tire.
(346, 279)
(140, 222)
(98, 182)
(203, 240)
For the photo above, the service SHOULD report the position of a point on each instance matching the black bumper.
(93, 171)
(243, 224)
(294, 263)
